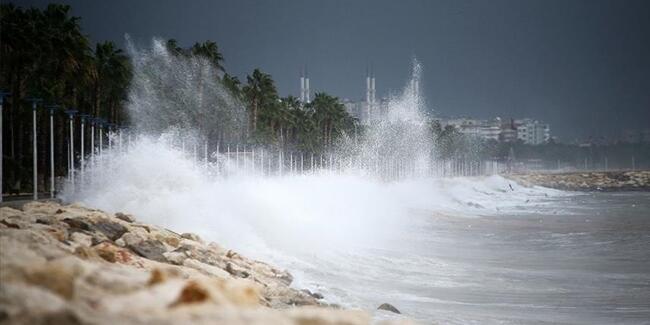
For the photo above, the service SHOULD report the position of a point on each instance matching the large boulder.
(388, 307)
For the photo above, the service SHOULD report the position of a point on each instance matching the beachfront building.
(532, 131)
(483, 129)
(527, 130)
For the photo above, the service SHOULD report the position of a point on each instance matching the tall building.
(508, 131)
(304, 87)
(532, 131)
(368, 108)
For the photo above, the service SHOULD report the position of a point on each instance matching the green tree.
(262, 97)
(210, 51)
(110, 74)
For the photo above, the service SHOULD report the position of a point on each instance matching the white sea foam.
(160, 184)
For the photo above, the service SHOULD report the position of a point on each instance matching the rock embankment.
(590, 181)
(73, 265)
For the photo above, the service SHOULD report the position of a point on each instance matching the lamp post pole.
(71, 113)
(2, 96)
(35, 102)
(82, 165)
(52, 108)
(92, 140)
(101, 137)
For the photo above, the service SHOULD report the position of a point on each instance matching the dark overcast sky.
(582, 66)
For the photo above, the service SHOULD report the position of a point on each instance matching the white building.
(532, 131)
(528, 130)
(484, 129)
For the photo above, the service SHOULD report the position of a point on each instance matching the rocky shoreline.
(611, 181)
(67, 264)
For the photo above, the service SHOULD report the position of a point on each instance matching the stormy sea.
(449, 250)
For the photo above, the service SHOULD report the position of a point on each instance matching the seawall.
(609, 181)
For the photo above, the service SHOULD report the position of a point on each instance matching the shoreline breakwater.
(606, 181)
(67, 264)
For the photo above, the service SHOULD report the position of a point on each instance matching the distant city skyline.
(581, 66)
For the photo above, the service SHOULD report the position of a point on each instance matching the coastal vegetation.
(45, 55)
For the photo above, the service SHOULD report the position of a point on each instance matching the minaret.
(368, 87)
(372, 87)
(307, 92)
(302, 85)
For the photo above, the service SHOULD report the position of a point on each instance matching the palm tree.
(210, 51)
(233, 85)
(173, 48)
(261, 94)
(109, 74)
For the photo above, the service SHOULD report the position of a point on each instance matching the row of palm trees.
(275, 120)
(45, 55)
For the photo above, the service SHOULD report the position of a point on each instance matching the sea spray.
(182, 93)
(297, 220)
(396, 135)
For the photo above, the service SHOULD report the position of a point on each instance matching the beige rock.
(191, 236)
(59, 265)
(81, 239)
(125, 217)
(207, 269)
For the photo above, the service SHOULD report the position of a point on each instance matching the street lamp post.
(82, 157)
(52, 109)
(101, 135)
(110, 128)
(92, 140)
(35, 102)
(2, 96)
(71, 113)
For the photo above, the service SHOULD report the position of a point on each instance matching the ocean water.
(579, 258)
(480, 250)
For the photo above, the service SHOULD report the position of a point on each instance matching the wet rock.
(285, 277)
(151, 249)
(313, 294)
(77, 224)
(191, 236)
(388, 307)
(112, 230)
(9, 224)
(125, 217)
(280, 296)
(46, 220)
